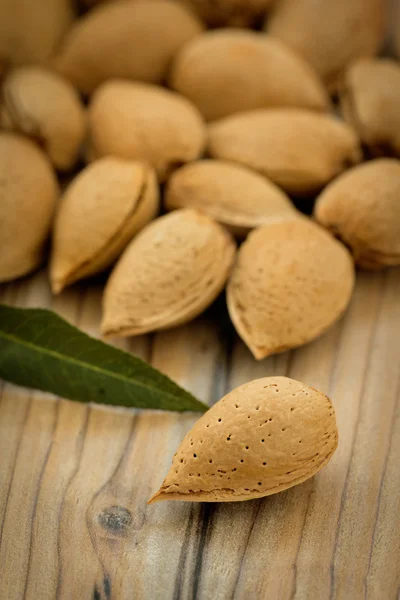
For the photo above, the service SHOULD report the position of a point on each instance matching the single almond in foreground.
(170, 273)
(100, 212)
(291, 281)
(262, 438)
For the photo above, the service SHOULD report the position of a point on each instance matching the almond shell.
(28, 197)
(262, 438)
(145, 122)
(236, 197)
(36, 102)
(131, 40)
(228, 71)
(291, 281)
(297, 149)
(100, 212)
(170, 273)
(361, 207)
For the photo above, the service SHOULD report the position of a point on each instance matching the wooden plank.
(74, 479)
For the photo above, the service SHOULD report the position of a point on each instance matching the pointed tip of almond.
(157, 497)
(57, 287)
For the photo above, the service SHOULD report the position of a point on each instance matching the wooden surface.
(74, 479)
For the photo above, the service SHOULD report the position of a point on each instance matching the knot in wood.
(115, 519)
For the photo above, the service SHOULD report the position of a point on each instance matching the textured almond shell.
(291, 281)
(262, 438)
(329, 35)
(28, 195)
(132, 40)
(369, 99)
(44, 106)
(297, 149)
(30, 30)
(172, 271)
(228, 71)
(238, 198)
(100, 212)
(145, 122)
(362, 207)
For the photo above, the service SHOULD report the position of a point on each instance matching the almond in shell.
(361, 207)
(227, 71)
(231, 194)
(262, 438)
(145, 122)
(44, 106)
(297, 149)
(329, 35)
(30, 30)
(28, 196)
(291, 282)
(172, 271)
(369, 99)
(100, 212)
(132, 40)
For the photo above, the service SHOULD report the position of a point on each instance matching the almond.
(369, 98)
(362, 208)
(291, 281)
(28, 195)
(100, 212)
(297, 149)
(30, 30)
(172, 271)
(228, 71)
(145, 122)
(238, 198)
(36, 102)
(329, 35)
(262, 438)
(132, 40)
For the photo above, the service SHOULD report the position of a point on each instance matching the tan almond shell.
(362, 207)
(262, 438)
(100, 212)
(329, 35)
(228, 71)
(28, 196)
(370, 99)
(131, 40)
(297, 149)
(30, 30)
(170, 273)
(291, 282)
(145, 122)
(235, 196)
(46, 107)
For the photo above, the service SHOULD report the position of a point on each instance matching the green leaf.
(38, 349)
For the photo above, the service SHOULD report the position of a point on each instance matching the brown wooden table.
(74, 479)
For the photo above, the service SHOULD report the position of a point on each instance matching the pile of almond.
(173, 145)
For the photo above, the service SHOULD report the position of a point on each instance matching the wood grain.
(74, 479)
